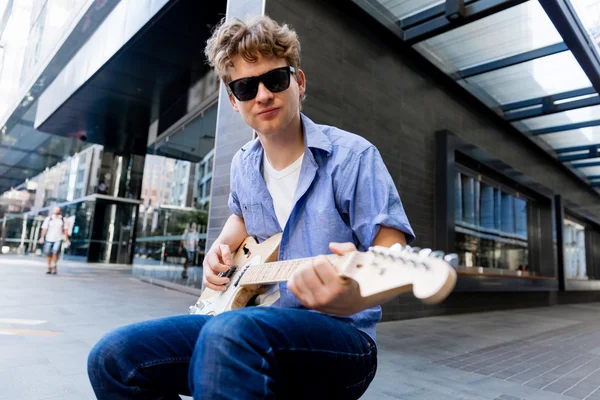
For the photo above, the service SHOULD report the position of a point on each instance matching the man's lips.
(268, 110)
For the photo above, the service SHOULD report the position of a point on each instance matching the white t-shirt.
(190, 238)
(282, 187)
(55, 228)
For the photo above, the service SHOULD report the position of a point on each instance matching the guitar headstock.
(429, 274)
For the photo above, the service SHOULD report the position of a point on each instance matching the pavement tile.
(530, 354)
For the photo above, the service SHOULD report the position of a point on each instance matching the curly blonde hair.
(259, 35)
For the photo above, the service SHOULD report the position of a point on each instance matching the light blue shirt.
(344, 194)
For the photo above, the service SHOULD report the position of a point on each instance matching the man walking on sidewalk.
(54, 229)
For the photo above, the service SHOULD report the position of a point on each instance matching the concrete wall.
(360, 80)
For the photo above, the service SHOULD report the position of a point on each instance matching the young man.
(54, 230)
(317, 184)
(189, 243)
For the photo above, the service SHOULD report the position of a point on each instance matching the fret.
(278, 271)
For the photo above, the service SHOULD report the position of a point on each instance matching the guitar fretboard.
(279, 271)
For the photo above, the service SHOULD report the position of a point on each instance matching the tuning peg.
(424, 252)
(437, 254)
(452, 259)
(396, 247)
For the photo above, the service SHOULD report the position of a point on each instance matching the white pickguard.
(220, 302)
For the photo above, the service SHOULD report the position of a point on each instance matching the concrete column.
(231, 134)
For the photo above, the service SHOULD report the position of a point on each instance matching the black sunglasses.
(276, 80)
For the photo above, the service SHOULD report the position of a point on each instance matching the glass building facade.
(574, 250)
(174, 193)
(491, 224)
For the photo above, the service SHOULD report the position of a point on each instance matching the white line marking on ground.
(21, 321)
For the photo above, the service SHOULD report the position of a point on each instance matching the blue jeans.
(250, 353)
(51, 247)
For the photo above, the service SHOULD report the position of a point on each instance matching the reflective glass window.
(404, 8)
(491, 225)
(537, 78)
(562, 118)
(514, 31)
(590, 171)
(574, 249)
(575, 137)
(589, 14)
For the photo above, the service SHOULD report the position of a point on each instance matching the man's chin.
(268, 129)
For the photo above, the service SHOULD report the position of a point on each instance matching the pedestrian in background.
(54, 230)
(189, 243)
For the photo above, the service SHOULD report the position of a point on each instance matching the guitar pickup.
(229, 273)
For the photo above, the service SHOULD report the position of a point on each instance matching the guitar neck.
(275, 272)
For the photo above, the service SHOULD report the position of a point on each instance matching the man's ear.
(233, 103)
(301, 79)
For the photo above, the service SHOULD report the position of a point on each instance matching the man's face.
(57, 211)
(268, 113)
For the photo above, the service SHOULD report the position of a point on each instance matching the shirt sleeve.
(46, 223)
(369, 199)
(234, 202)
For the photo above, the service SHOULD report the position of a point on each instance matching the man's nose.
(263, 95)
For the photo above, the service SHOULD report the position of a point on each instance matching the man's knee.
(234, 327)
(103, 353)
(111, 353)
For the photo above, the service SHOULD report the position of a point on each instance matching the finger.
(321, 290)
(226, 255)
(216, 288)
(325, 270)
(213, 262)
(213, 279)
(211, 258)
(299, 289)
(341, 248)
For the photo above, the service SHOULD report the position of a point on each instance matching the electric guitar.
(379, 272)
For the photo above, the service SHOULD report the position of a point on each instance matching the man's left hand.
(318, 286)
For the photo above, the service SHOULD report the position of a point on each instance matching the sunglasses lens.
(244, 89)
(277, 80)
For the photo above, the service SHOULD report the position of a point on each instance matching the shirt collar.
(314, 138)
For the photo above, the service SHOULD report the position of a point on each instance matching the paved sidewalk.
(48, 324)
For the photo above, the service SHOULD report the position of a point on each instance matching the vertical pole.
(445, 192)
(559, 215)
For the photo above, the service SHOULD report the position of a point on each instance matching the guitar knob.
(437, 254)
(452, 259)
(424, 252)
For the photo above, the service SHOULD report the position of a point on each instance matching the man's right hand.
(41, 241)
(217, 260)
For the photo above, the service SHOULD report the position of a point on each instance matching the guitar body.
(249, 253)
(380, 272)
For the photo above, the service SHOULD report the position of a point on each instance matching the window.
(490, 224)
(207, 188)
(574, 248)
